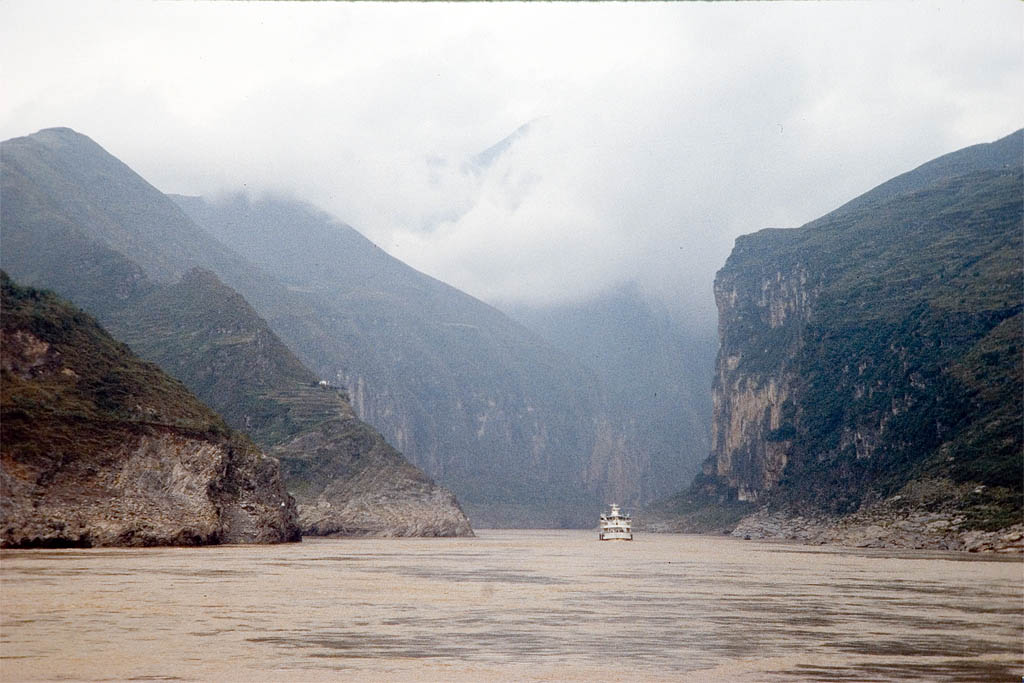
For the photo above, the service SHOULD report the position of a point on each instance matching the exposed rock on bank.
(928, 513)
(375, 515)
(923, 530)
(99, 448)
(156, 488)
(349, 482)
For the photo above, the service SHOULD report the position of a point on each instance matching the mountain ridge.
(74, 232)
(869, 366)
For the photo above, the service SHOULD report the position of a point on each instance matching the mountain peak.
(60, 130)
(60, 137)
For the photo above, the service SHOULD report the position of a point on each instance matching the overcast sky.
(658, 131)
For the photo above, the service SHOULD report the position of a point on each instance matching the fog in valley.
(529, 154)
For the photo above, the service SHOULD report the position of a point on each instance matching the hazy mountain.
(871, 360)
(101, 448)
(657, 374)
(519, 430)
(655, 365)
(77, 220)
(344, 476)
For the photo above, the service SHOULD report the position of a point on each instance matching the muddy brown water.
(511, 605)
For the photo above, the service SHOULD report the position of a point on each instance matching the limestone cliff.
(99, 448)
(874, 353)
(753, 394)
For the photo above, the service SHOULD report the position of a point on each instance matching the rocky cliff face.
(100, 448)
(872, 351)
(756, 384)
(155, 488)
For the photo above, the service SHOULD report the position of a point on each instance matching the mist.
(635, 142)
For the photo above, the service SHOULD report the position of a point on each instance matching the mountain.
(77, 220)
(870, 364)
(654, 364)
(345, 477)
(657, 372)
(100, 448)
(519, 430)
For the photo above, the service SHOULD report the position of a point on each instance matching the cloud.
(658, 131)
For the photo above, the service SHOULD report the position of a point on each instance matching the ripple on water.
(506, 604)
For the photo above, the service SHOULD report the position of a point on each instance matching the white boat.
(616, 526)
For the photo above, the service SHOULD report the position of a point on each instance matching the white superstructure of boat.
(616, 526)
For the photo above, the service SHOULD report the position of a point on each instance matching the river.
(511, 605)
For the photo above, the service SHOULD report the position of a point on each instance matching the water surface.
(523, 605)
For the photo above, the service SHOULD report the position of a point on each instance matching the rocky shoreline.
(433, 512)
(158, 488)
(911, 529)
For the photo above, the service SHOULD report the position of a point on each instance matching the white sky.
(660, 132)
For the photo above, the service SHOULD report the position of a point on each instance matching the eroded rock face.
(349, 482)
(755, 389)
(101, 449)
(155, 488)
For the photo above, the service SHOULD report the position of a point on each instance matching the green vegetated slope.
(75, 219)
(915, 341)
(205, 333)
(101, 448)
(883, 344)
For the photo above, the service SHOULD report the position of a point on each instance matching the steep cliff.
(100, 448)
(762, 307)
(874, 356)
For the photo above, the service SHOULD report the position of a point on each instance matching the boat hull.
(615, 536)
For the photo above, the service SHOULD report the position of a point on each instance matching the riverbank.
(913, 529)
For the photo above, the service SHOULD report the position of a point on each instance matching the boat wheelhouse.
(616, 526)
